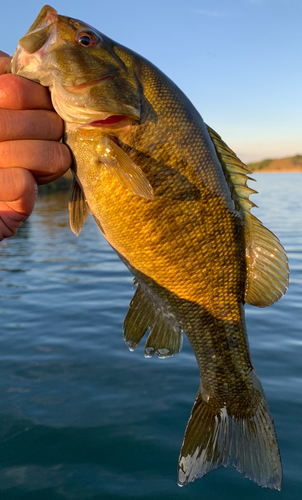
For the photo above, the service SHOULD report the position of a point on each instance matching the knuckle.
(4, 125)
(12, 93)
(18, 93)
(57, 158)
(5, 154)
(64, 157)
(54, 125)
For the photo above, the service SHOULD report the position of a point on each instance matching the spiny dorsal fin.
(235, 171)
(78, 208)
(164, 339)
(267, 263)
(123, 168)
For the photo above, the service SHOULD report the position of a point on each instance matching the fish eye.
(86, 39)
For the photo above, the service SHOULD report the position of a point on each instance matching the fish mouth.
(33, 46)
(47, 15)
(51, 14)
(75, 94)
(40, 32)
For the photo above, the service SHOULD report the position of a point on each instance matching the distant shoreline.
(280, 171)
(291, 164)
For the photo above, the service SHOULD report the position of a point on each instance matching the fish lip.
(84, 85)
(50, 17)
(18, 61)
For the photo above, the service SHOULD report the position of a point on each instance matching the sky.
(238, 61)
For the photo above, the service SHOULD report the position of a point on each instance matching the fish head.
(87, 79)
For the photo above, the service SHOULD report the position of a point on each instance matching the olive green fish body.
(176, 239)
(172, 200)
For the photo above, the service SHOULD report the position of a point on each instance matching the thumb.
(4, 62)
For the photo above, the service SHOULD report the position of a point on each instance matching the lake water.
(81, 417)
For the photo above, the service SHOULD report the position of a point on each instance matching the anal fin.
(165, 338)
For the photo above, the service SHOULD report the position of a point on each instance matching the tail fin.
(215, 439)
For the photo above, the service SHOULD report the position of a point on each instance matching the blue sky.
(239, 61)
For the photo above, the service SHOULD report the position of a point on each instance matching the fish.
(172, 200)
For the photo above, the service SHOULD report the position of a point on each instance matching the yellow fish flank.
(172, 200)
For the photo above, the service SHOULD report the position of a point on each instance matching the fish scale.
(172, 200)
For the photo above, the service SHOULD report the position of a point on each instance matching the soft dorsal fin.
(123, 168)
(78, 208)
(165, 339)
(267, 263)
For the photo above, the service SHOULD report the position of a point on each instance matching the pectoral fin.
(78, 208)
(123, 168)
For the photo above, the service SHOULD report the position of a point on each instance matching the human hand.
(30, 153)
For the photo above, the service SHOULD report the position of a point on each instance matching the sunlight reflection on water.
(80, 415)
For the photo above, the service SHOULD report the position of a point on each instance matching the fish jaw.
(47, 12)
(31, 58)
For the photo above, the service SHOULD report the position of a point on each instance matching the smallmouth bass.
(172, 200)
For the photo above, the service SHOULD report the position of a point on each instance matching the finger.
(33, 124)
(18, 191)
(47, 160)
(18, 186)
(4, 62)
(18, 93)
